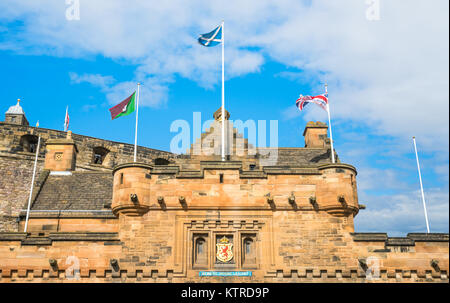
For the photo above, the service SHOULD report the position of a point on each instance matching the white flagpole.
(329, 123)
(223, 92)
(137, 114)
(65, 118)
(421, 186)
(32, 184)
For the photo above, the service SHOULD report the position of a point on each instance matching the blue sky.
(388, 80)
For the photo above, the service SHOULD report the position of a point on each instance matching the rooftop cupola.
(16, 115)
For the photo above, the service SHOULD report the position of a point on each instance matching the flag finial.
(18, 101)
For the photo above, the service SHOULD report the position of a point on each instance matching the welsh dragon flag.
(124, 108)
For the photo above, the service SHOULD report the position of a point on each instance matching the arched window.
(200, 251)
(249, 251)
(248, 243)
(161, 161)
(29, 143)
(200, 246)
(99, 155)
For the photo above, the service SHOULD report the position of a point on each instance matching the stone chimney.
(61, 154)
(316, 135)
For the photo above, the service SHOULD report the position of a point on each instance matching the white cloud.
(154, 93)
(391, 74)
(403, 213)
(94, 79)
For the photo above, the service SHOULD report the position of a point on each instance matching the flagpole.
(329, 123)
(65, 118)
(137, 114)
(32, 185)
(421, 186)
(223, 92)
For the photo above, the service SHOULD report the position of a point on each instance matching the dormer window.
(98, 159)
(29, 143)
(161, 161)
(99, 155)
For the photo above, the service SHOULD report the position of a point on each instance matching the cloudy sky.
(386, 63)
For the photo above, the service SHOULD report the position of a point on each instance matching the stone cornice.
(337, 165)
(90, 214)
(409, 240)
(29, 239)
(232, 165)
(132, 164)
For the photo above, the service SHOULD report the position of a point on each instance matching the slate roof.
(16, 110)
(303, 157)
(79, 191)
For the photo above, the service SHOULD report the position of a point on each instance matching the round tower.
(131, 189)
(338, 195)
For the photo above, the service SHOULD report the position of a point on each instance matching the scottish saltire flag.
(321, 100)
(212, 38)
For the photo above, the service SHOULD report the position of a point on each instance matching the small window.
(248, 246)
(200, 251)
(200, 247)
(99, 155)
(29, 143)
(98, 159)
(221, 178)
(249, 251)
(161, 161)
(121, 178)
(252, 166)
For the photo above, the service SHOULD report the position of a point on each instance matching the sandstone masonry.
(96, 216)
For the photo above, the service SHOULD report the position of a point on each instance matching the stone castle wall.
(15, 180)
(292, 247)
(287, 223)
(292, 243)
(16, 164)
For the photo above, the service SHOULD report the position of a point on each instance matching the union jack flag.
(321, 100)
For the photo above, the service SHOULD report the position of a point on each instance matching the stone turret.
(131, 189)
(16, 115)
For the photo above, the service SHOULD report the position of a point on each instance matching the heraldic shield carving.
(224, 250)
